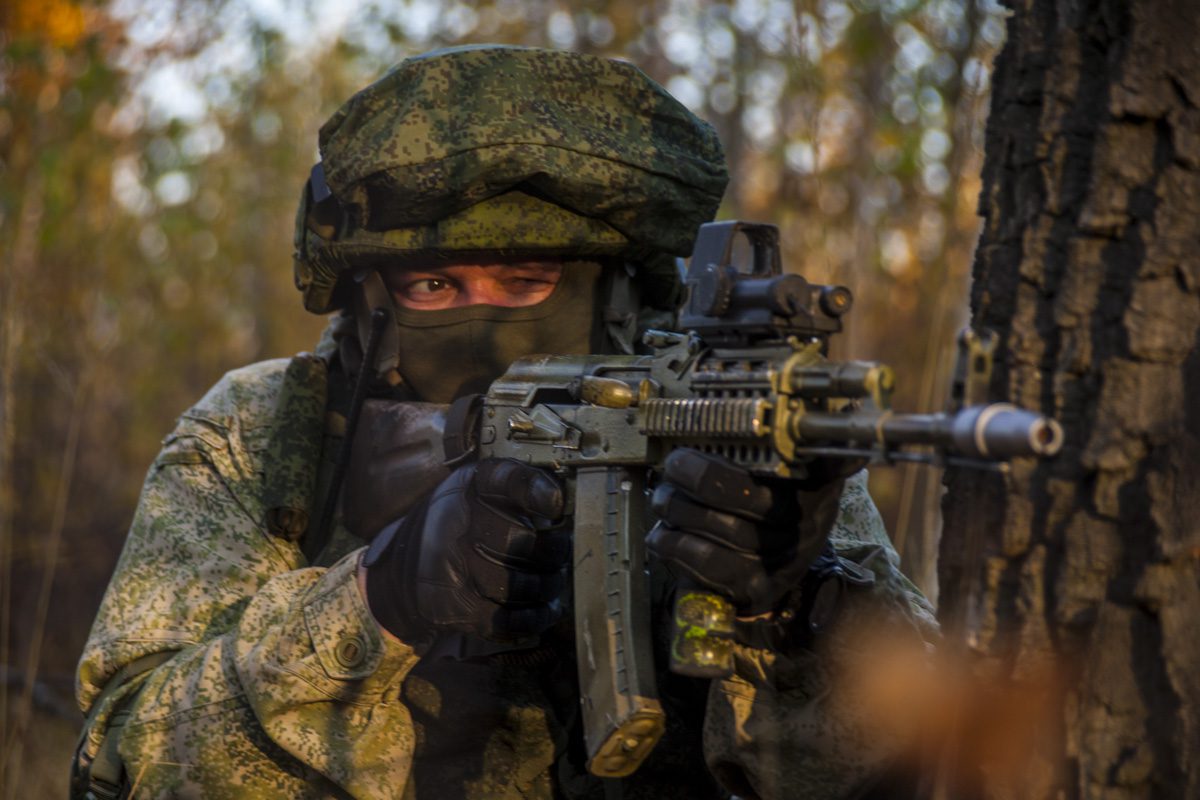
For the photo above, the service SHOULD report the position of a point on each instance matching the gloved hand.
(748, 538)
(480, 555)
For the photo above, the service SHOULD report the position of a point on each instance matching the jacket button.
(350, 652)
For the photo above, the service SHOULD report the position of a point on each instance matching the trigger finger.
(519, 487)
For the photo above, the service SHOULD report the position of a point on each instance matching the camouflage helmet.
(510, 151)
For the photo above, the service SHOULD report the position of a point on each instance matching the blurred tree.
(1080, 578)
(53, 82)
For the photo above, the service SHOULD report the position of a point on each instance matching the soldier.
(494, 202)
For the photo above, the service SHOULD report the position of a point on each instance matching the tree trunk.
(1089, 268)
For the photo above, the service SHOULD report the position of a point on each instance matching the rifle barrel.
(996, 432)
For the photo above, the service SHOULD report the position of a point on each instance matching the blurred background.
(152, 153)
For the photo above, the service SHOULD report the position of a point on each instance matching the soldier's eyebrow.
(539, 268)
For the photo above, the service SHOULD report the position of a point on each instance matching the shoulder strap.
(619, 311)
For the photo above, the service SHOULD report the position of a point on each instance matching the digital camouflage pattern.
(294, 449)
(510, 150)
(283, 686)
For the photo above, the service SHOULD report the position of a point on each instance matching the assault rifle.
(749, 380)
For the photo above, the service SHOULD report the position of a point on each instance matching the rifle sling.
(102, 777)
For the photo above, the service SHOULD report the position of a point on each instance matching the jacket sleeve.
(825, 721)
(279, 683)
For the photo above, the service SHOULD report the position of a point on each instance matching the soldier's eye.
(427, 291)
(427, 286)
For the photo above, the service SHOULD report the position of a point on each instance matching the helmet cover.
(510, 151)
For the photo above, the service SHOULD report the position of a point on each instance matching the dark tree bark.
(1089, 268)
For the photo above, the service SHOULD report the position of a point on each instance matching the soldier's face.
(510, 284)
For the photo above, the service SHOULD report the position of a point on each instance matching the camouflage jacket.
(281, 685)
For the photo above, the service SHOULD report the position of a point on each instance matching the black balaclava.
(451, 352)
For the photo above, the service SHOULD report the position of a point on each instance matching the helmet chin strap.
(619, 308)
(373, 294)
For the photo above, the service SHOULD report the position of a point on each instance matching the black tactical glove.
(480, 555)
(750, 539)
